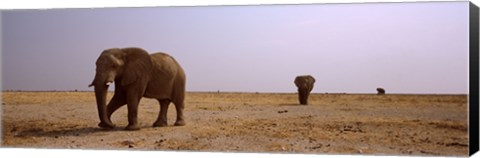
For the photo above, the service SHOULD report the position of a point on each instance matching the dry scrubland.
(247, 122)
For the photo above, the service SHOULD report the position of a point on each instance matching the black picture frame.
(474, 86)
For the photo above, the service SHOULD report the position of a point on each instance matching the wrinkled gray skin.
(305, 86)
(137, 74)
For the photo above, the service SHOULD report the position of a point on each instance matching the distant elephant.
(380, 91)
(305, 86)
(137, 74)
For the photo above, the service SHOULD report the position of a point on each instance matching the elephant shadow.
(37, 132)
(291, 104)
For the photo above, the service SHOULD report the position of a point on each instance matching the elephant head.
(122, 66)
(305, 85)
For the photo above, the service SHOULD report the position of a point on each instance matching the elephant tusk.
(108, 83)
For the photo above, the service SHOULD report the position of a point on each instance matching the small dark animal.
(380, 91)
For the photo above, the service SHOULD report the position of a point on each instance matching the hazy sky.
(353, 48)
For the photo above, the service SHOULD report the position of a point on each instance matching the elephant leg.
(302, 97)
(114, 104)
(162, 115)
(307, 94)
(299, 97)
(132, 105)
(179, 106)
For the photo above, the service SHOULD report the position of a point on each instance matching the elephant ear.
(138, 65)
(313, 79)
(297, 81)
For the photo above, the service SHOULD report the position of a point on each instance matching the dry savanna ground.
(247, 122)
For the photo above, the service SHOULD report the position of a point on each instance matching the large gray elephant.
(305, 85)
(138, 74)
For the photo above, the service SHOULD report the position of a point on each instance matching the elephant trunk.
(303, 96)
(101, 89)
(101, 96)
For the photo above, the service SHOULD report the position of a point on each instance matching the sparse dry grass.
(47, 98)
(248, 122)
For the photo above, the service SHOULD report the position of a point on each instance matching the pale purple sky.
(353, 48)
